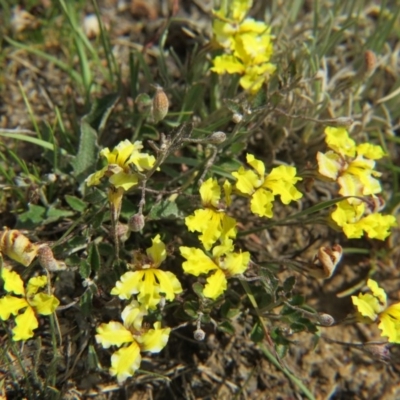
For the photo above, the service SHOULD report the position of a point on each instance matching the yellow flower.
(263, 188)
(223, 265)
(351, 217)
(126, 361)
(350, 165)
(121, 164)
(374, 306)
(148, 282)
(212, 222)
(247, 43)
(30, 300)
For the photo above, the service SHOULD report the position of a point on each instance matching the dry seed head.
(160, 105)
(17, 246)
(217, 138)
(199, 335)
(136, 223)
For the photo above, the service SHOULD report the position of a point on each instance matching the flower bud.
(136, 223)
(143, 102)
(326, 319)
(217, 138)
(199, 335)
(47, 260)
(123, 232)
(160, 105)
(236, 118)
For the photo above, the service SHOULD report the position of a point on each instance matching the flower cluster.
(132, 337)
(29, 300)
(124, 164)
(374, 306)
(150, 285)
(247, 44)
(262, 187)
(214, 225)
(212, 221)
(352, 166)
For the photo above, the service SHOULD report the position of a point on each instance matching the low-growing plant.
(155, 230)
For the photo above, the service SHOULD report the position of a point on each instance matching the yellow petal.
(36, 283)
(12, 282)
(216, 285)
(44, 303)
(261, 203)
(124, 180)
(25, 324)
(247, 181)
(338, 140)
(125, 362)
(197, 262)
(169, 284)
(236, 263)
(329, 164)
(157, 252)
(210, 193)
(11, 305)
(133, 314)
(154, 340)
(370, 151)
(127, 285)
(113, 333)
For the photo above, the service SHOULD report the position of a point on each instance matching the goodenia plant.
(206, 274)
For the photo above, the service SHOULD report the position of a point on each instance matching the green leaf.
(191, 309)
(86, 303)
(85, 161)
(226, 327)
(257, 333)
(297, 300)
(84, 269)
(54, 214)
(31, 218)
(94, 257)
(198, 289)
(289, 284)
(165, 209)
(75, 203)
(100, 111)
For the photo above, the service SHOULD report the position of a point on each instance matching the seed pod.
(160, 105)
(217, 138)
(199, 335)
(326, 319)
(47, 260)
(17, 246)
(136, 223)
